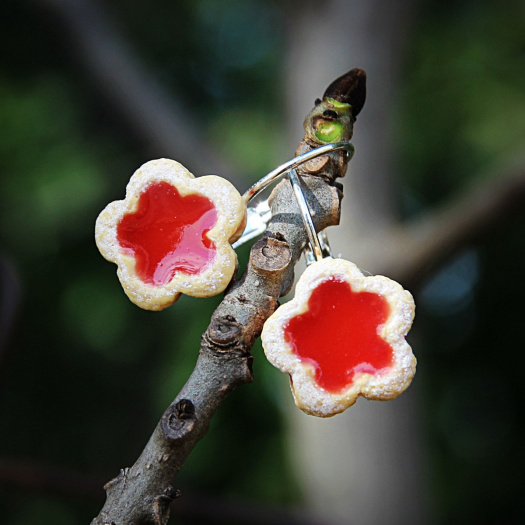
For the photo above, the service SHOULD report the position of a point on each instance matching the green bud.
(339, 105)
(328, 130)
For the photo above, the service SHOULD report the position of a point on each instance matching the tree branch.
(142, 493)
(463, 220)
(155, 118)
(409, 252)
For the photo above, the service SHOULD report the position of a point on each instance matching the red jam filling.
(339, 334)
(167, 233)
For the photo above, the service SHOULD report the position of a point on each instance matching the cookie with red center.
(342, 336)
(172, 234)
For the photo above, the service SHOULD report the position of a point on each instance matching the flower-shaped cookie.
(172, 234)
(342, 336)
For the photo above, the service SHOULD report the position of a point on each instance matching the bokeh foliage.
(461, 114)
(86, 374)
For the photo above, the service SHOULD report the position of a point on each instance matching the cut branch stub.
(161, 504)
(269, 256)
(224, 331)
(178, 420)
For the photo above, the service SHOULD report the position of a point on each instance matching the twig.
(142, 493)
(464, 220)
(409, 252)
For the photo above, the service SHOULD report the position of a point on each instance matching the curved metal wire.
(259, 215)
(292, 164)
(298, 190)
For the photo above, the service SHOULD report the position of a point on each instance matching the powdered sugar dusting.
(387, 384)
(213, 279)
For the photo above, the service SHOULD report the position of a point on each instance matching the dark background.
(85, 375)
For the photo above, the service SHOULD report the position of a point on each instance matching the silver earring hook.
(297, 185)
(319, 247)
(291, 164)
(325, 248)
(259, 215)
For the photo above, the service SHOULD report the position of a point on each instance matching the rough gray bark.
(142, 493)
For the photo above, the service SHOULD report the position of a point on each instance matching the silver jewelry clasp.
(259, 215)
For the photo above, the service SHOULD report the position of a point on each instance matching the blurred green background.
(85, 375)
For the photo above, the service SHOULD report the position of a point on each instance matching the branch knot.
(223, 331)
(178, 420)
(270, 255)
